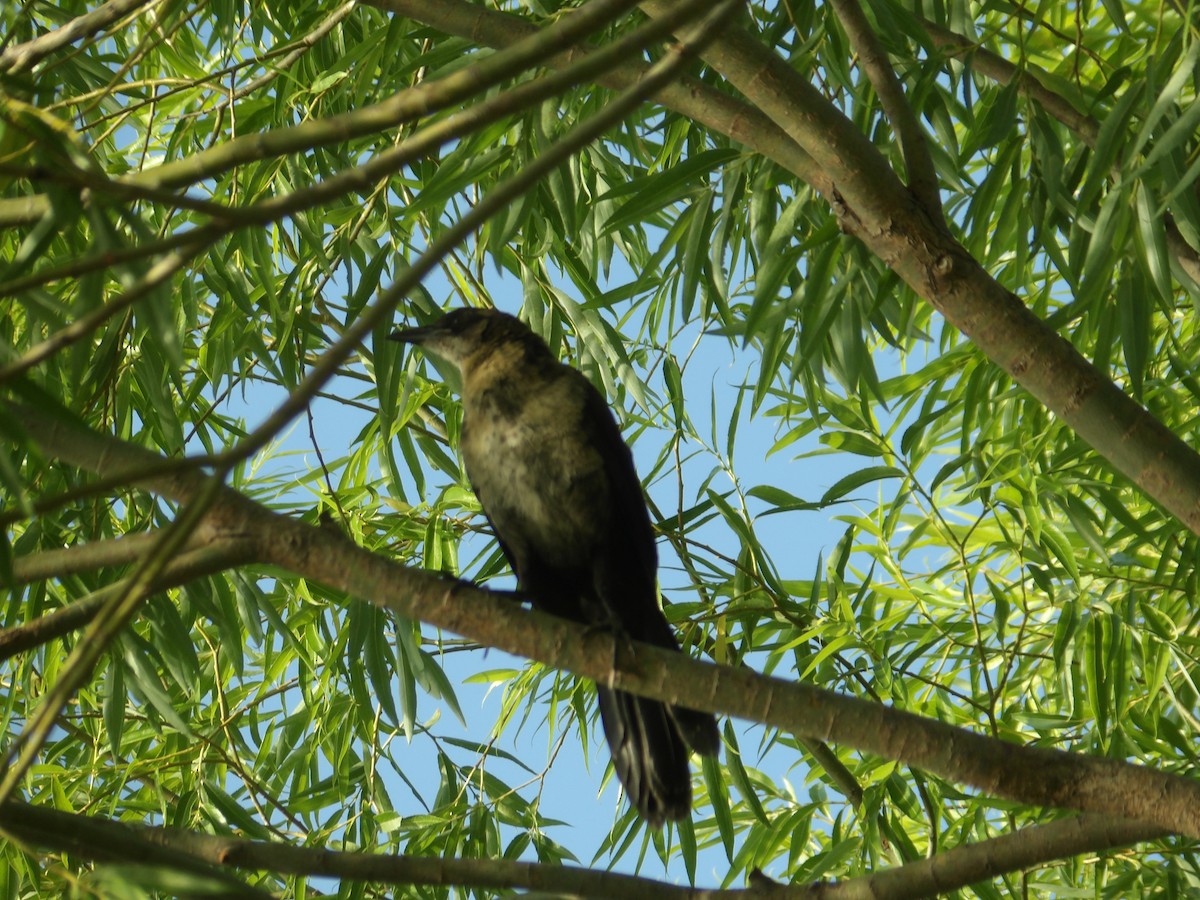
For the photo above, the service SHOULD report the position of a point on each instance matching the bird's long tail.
(649, 741)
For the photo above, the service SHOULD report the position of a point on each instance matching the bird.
(556, 481)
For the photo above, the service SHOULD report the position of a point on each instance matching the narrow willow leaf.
(855, 480)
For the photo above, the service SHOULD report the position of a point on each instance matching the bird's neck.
(513, 369)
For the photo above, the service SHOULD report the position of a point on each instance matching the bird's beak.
(410, 335)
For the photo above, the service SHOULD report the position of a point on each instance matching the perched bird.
(557, 483)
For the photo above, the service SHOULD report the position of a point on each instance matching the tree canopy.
(954, 249)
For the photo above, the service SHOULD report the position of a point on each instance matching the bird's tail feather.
(649, 743)
(699, 729)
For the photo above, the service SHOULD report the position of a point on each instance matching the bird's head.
(480, 346)
(459, 334)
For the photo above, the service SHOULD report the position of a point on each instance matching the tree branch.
(1000, 70)
(962, 866)
(158, 274)
(82, 558)
(922, 178)
(97, 839)
(194, 851)
(401, 108)
(726, 114)
(224, 552)
(103, 629)
(871, 203)
(51, 828)
(1085, 127)
(708, 106)
(20, 57)
(1029, 775)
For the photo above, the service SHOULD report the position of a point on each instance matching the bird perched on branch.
(557, 483)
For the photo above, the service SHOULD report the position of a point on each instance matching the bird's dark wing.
(626, 579)
(625, 572)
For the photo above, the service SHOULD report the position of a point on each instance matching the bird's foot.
(622, 646)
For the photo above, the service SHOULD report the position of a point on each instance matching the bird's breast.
(540, 481)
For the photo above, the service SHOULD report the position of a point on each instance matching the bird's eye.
(458, 320)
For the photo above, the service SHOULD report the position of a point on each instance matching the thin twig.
(922, 179)
(225, 554)
(157, 275)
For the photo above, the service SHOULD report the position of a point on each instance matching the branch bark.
(94, 838)
(1013, 852)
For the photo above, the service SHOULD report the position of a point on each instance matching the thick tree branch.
(872, 204)
(1029, 775)
(51, 828)
(98, 839)
(962, 866)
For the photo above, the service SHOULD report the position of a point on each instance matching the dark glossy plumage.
(557, 482)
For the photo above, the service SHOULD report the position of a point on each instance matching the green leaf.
(379, 660)
(852, 442)
(434, 680)
(1133, 317)
(114, 706)
(145, 680)
(718, 796)
(1109, 146)
(653, 192)
(1168, 96)
(855, 480)
(1154, 255)
(1064, 635)
(739, 776)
